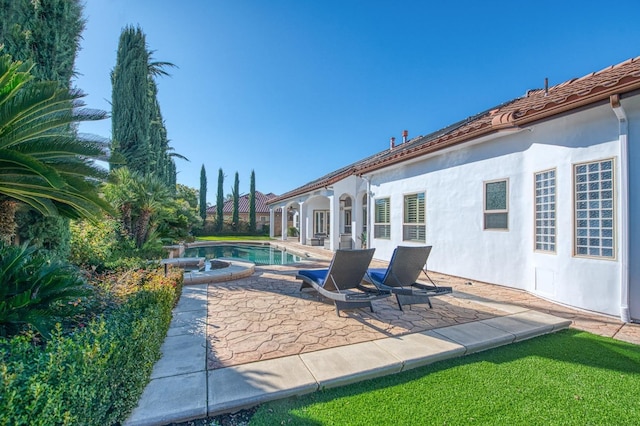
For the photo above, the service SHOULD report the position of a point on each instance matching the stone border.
(236, 270)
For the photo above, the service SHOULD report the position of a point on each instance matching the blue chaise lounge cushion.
(377, 274)
(316, 275)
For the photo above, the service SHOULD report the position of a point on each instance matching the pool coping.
(236, 270)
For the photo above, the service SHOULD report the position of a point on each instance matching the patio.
(238, 343)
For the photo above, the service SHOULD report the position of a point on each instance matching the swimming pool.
(258, 254)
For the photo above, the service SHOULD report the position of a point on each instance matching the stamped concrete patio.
(266, 315)
(242, 342)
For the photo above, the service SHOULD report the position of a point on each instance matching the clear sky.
(295, 89)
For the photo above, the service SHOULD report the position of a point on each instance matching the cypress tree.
(220, 202)
(139, 134)
(46, 32)
(252, 203)
(130, 106)
(203, 193)
(236, 202)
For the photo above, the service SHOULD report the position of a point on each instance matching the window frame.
(416, 224)
(379, 225)
(486, 212)
(613, 209)
(554, 235)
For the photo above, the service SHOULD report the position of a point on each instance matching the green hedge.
(94, 376)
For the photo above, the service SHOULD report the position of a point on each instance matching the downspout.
(623, 130)
(369, 224)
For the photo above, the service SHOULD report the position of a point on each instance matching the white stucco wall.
(453, 183)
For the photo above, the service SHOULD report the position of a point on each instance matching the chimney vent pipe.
(405, 135)
(546, 86)
(392, 143)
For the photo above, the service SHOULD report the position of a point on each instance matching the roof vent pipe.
(392, 143)
(546, 86)
(405, 135)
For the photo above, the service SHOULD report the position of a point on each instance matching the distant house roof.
(243, 204)
(536, 105)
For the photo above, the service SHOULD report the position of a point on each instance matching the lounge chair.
(401, 275)
(342, 282)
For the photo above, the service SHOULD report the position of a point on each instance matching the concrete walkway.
(182, 388)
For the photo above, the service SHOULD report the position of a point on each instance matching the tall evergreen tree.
(236, 201)
(220, 202)
(203, 193)
(130, 106)
(252, 203)
(46, 33)
(139, 134)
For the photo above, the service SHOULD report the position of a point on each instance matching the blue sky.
(294, 89)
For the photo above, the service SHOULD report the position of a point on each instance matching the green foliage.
(252, 203)
(139, 134)
(42, 162)
(36, 291)
(235, 220)
(292, 231)
(566, 378)
(140, 199)
(220, 202)
(46, 33)
(50, 233)
(94, 244)
(95, 375)
(203, 193)
(179, 219)
(130, 108)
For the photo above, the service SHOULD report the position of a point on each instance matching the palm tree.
(151, 195)
(119, 191)
(43, 162)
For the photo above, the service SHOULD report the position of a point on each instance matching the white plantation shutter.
(414, 227)
(382, 224)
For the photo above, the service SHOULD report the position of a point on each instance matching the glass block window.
(496, 206)
(382, 224)
(545, 222)
(414, 226)
(594, 209)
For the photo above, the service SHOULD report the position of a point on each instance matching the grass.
(566, 378)
(235, 238)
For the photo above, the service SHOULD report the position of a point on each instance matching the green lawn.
(567, 378)
(235, 238)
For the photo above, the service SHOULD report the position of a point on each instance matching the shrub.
(93, 244)
(95, 375)
(36, 291)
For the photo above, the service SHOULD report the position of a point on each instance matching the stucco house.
(541, 193)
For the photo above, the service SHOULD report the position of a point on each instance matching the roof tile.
(536, 105)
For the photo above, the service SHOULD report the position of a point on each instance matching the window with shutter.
(382, 219)
(414, 226)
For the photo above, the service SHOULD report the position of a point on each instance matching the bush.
(95, 375)
(36, 291)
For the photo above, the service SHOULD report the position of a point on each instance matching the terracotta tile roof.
(536, 105)
(243, 204)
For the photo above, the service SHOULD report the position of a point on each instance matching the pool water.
(258, 254)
